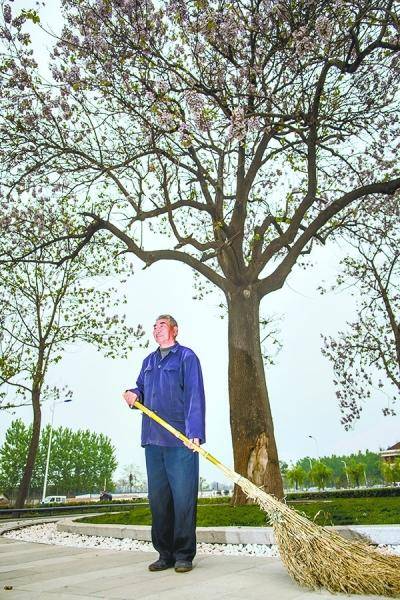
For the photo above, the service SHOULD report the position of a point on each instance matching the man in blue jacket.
(171, 384)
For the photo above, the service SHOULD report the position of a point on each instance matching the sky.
(300, 384)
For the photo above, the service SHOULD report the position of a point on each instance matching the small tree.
(356, 472)
(296, 476)
(391, 471)
(13, 456)
(320, 474)
(132, 479)
(44, 309)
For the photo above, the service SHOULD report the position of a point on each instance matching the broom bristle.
(316, 557)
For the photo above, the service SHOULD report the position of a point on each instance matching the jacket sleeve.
(139, 389)
(193, 398)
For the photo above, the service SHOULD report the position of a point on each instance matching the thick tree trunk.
(32, 452)
(254, 447)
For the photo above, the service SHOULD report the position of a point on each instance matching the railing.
(54, 510)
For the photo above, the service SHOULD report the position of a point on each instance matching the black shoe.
(183, 566)
(160, 565)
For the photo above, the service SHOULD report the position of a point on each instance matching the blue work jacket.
(173, 388)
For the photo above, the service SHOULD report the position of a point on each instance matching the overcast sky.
(300, 384)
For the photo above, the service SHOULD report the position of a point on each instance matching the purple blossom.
(57, 75)
(73, 76)
(103, 8)
(165, 119)
(323, 27)
(237, 128)
(302, 41)
(128, 6)
(162, 87)
(185, 136)
(197, 108)
(179, 9)
(7, 13)
(194, 100)
(150, 96)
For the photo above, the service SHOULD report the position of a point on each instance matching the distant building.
(391, 453)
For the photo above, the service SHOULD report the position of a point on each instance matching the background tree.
(296, 476)
(242, 135)
(320, 474)
(132, 479)
(13, 456)
(391, 471)
(366, 356)
(356, 472)
(44, 309)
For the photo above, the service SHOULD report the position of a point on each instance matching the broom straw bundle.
(314, 556)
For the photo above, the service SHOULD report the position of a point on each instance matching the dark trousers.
(173, 475)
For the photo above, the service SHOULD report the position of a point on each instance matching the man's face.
(164, 333)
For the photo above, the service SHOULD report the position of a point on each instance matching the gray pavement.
(43, 572)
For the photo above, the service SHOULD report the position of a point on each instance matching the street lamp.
(345, 470)
(49, 446)
(316, 445)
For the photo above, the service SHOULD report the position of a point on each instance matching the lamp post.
(49, 446)
(345, 470)
(316, 445)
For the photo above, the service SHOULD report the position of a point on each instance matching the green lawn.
(339, 511)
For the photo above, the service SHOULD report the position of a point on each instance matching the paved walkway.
(42, 572)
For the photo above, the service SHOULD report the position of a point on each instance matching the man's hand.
(195, 441)
(130, 398)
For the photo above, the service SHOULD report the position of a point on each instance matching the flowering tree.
(44, 309)
(366, 356)
(242, 134)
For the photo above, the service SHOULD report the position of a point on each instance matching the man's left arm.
(194, 399)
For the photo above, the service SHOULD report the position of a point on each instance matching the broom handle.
(228, 472)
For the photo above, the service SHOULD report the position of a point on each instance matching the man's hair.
(168, 318)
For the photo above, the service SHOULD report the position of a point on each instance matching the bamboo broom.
(314, 556)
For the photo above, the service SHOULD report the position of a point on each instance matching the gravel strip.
(47, 534)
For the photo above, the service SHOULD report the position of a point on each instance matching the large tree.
(232, 137)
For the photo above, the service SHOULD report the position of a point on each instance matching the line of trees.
(81, 461)
(352, 470)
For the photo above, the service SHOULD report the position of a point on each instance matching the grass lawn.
(339, 511)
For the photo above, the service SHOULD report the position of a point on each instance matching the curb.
(374, 534)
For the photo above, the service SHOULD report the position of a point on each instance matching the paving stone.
(63, 573)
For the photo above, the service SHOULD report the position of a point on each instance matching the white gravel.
(47, 533)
